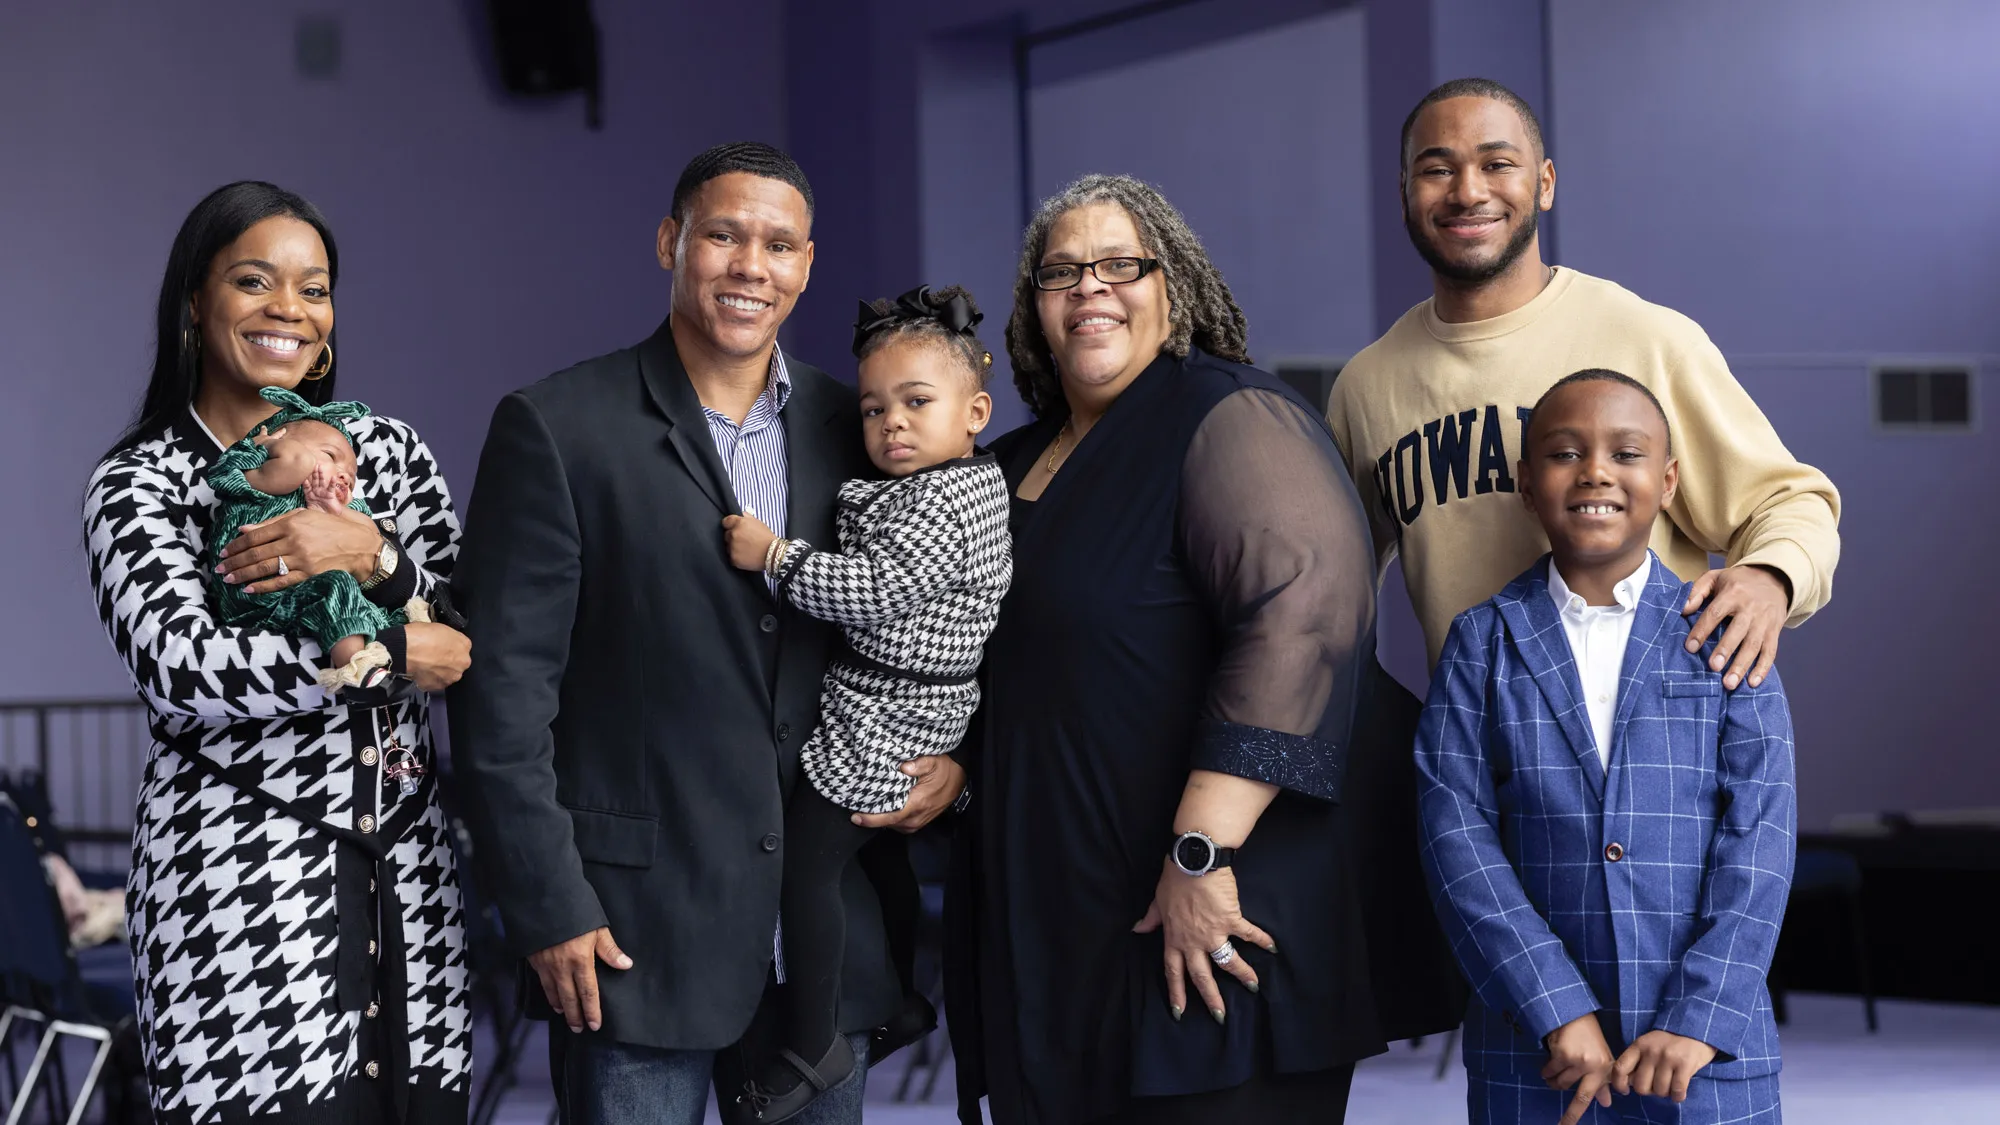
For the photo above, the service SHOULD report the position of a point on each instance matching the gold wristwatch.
(385, 565)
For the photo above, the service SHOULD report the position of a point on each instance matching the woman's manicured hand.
(434, 655)
(1198, 915)
(310, 541)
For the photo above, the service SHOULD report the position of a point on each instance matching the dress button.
(1614, 852)
(374, 1010)
(770, 842)
(372, 1070)
(768, 623)
(367, 824)
(367, 755)
(371, 948)
(784, 732)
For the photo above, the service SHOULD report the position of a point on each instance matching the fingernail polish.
(1176, 1009)
(1217, 1013)
(1252, 986)
(1271, 948)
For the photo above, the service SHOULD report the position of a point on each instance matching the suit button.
(372, 1070)
(784, 731)
(768, 623)
(1614, 852)
(770, 842)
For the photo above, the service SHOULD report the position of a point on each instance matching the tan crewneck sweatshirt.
(1430, 418)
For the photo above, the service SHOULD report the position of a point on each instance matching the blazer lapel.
(666, 380)
(1658, 608)
(1538, 637)
(814, 444)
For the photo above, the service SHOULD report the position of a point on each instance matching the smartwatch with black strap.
(1196, 854)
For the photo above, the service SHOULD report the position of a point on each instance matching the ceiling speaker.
(548, 47)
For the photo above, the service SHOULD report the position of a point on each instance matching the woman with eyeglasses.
(1152, 916)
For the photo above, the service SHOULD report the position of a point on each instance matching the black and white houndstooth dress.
(296, 928)
(916, 586)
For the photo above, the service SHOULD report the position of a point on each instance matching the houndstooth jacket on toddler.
(923, 563)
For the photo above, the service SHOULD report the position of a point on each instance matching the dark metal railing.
(92, 753)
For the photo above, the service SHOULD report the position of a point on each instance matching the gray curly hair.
(1201, 311)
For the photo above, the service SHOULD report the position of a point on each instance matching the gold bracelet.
(774, 557)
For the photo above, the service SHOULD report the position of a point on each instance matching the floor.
(1931, 1064)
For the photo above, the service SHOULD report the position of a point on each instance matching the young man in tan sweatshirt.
(1432, 415)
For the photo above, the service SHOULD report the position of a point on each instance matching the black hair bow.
(955, 314)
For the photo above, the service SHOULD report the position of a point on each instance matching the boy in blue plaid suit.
(1608, 832)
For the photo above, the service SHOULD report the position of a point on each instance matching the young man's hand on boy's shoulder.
(1579, 1056)
(1660, 1064)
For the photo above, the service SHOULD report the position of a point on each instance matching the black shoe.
(767, 1105)
(916, 1019)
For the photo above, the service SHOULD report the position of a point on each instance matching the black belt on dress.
(353, 985)
(845, 654)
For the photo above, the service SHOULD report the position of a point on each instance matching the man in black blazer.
(630, 726)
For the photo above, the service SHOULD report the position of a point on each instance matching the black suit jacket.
(630, 727)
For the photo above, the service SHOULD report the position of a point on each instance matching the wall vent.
(1923, 396)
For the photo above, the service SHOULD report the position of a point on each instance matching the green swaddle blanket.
(326, 607)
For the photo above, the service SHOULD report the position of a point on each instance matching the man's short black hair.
(1476, 88)
(754, 157)
(1606, 375)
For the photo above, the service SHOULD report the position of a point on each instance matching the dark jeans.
(603, 1083)
(820, 841)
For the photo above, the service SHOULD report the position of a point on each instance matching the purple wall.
(486, 242)
(1809, 180)
(1280, 220)
(1804, 177)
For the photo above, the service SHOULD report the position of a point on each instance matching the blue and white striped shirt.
(753, 454)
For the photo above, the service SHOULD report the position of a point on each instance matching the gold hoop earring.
(321, 369)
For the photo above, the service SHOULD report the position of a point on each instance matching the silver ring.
(282, 568)
(1223, 954)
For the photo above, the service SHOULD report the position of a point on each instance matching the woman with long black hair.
(296, 930)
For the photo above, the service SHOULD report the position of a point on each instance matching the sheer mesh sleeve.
(1273, 534)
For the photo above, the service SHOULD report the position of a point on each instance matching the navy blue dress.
(1193, 590)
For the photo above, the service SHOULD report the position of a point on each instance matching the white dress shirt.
(1597, 636)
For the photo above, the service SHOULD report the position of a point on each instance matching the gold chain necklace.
(1057, 448)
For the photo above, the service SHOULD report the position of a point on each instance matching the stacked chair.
(41, 985)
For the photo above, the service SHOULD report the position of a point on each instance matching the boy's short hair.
(1605, 375)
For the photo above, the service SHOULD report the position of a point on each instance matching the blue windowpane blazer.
(1673, 927)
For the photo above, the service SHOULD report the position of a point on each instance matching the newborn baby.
(301, 458)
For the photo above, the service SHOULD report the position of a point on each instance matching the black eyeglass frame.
(1146, 266)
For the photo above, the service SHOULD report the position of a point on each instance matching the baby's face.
(919, 407)
(315, 443)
